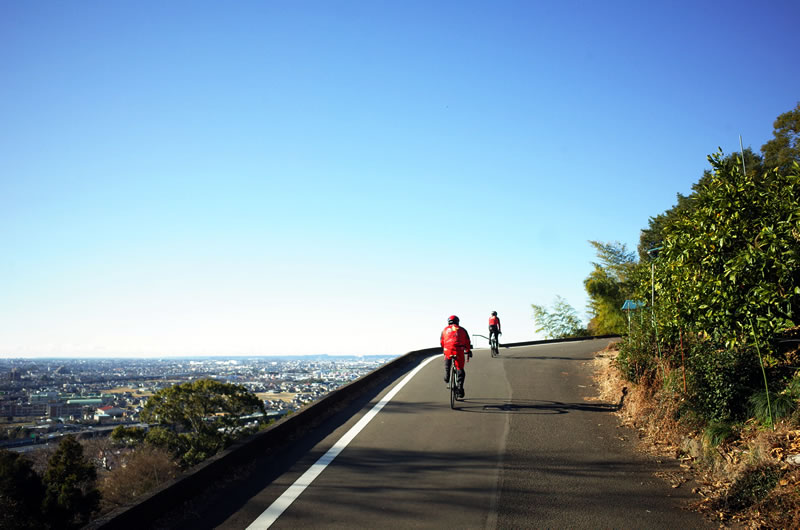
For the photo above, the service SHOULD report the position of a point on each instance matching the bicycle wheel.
(493, 346)
(453, 385)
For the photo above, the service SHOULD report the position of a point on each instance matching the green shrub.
(717, 432)
(752, 487)
(720, 381)
(783, 405)
(638, 355)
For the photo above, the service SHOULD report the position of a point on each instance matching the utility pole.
(653, 253)
(741, 150)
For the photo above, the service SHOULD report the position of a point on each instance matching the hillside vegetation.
(710, 349)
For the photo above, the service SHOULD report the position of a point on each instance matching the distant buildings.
(44, 394)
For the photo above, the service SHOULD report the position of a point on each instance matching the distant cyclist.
(494, 327)
(455, 343)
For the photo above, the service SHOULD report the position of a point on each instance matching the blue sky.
(338, 177)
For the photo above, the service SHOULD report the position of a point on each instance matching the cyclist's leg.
(460, 373)
(447, 361)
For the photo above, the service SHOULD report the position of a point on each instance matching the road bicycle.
(494, 344)
(453, 386)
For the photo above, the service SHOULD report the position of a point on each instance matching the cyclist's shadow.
(530, 406)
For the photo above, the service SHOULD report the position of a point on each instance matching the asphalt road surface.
(524, 449)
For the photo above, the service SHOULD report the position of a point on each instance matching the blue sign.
(632, 304)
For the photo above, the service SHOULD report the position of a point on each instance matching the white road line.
(275, 510)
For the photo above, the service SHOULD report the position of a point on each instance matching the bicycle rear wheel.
(453, 385)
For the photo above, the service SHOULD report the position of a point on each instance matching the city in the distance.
(43, 399)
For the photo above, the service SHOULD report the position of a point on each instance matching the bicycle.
(494, 344)
(453, 386)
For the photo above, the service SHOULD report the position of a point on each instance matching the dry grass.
(722, 471)
(282, 396)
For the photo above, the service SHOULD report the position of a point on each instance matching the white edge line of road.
(275, 510)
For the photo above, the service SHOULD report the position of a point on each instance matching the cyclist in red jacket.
(455, 343)
(494, 327)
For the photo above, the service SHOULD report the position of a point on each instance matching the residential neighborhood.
(41, 399)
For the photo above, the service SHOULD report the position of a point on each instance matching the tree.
(608, 286)
(559, 323)
(145, 468)
(784, 148)
(128, 436)
(653, 236)
(70, 494)
(735, 257)
(727, 279)
(21, 492)
(203, 417)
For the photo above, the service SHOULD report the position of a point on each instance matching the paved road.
(525, 449)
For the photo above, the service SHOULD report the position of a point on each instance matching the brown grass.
(122, 389)
(652, 414)
(283, 396)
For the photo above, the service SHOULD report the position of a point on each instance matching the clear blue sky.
(281, 177)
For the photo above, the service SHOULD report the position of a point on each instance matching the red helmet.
(452, 319)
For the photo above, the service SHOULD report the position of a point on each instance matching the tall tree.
(21, 492)
(70, 493)
(784, 148)
(560, 322)
(653, 236)
(203, 417)
(608, 286)
(735, 259)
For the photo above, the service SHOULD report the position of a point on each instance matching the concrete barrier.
(151, 507)
(550, 341)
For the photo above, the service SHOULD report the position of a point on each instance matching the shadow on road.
(402, 488)
(543, 358)
(504, 406)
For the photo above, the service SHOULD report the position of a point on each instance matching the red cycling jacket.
(455, 339)
(494, 321)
